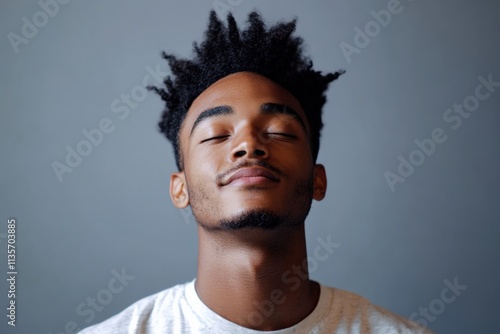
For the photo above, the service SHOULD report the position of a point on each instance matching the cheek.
(300, 171)
(201, 168)
(298, 158)
(209, 157)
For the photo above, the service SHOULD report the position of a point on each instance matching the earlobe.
(178, 190)
(319, 182)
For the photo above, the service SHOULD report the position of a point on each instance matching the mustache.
(220, 177)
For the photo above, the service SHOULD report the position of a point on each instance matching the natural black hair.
(271, 52)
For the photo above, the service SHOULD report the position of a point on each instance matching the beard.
(252, 219)
(263, 219)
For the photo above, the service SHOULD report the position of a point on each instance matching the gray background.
(113, 211)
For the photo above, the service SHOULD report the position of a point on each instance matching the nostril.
(240, 153)
(259, 152)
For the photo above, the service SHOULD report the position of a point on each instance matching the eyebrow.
(266, 108)
(275, 108)
(212, 112)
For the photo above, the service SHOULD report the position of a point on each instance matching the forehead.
(241, 89)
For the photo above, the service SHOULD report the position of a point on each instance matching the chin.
(256, 218)
(254, 200)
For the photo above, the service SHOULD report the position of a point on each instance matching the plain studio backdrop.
(410, 146)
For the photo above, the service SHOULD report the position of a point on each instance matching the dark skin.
(245, 148)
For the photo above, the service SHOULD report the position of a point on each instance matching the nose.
(249, 144)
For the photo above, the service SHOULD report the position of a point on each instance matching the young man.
(244, 118)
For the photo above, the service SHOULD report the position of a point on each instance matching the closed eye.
(282, 134)
(214, 138)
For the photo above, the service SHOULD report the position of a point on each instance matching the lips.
(252, 175)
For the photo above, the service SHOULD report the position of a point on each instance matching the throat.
(236, 280)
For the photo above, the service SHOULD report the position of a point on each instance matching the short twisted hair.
(271, 52)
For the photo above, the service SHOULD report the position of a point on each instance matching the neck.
(255, 278)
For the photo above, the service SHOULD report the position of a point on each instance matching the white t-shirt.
(179, 310)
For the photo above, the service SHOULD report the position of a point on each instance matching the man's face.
(245, 149)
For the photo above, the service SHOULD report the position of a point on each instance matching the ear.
(319, 182)
(178, 190)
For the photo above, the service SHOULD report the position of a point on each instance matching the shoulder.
(357, 314)
(141, 314)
